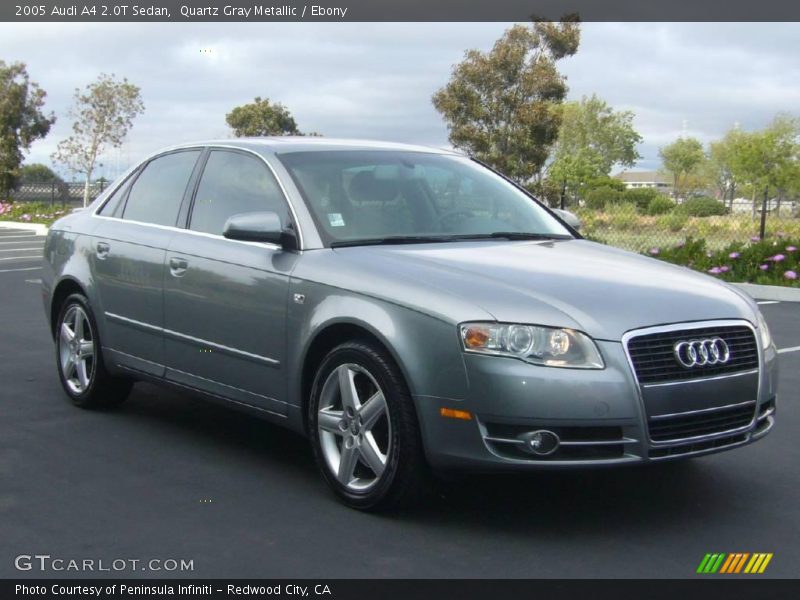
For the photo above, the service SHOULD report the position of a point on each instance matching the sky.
(375, 81)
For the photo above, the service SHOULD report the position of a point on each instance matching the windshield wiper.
(428, 239)
(394, 239)
(514, 235)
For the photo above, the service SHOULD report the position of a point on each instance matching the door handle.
(178, 266)
(103, 249)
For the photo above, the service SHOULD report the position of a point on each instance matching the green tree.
(719, 164)
(769, 158)
(103, 115)
(592, 139)
(21, 121)
(682, 159)
(39, 173)
(503, 106)
(262, 117)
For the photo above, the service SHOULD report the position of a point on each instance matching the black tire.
(99, 389)
(406, 475)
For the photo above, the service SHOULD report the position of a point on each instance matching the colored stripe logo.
(735, 562)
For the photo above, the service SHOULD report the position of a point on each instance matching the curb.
(37, 227)
(770, 292)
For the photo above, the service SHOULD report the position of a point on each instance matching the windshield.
(382, 196)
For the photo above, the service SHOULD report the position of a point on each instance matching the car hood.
(598, 289)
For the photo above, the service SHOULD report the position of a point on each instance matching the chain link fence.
(665, 223)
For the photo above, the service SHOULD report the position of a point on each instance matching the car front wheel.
(364, 429)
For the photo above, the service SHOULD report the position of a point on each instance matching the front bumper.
(599, 416)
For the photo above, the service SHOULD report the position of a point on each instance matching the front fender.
(425, 348)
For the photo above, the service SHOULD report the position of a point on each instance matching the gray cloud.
(376, 80)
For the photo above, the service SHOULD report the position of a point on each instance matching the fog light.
(540, 442)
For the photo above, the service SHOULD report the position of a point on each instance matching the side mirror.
(259, 227)
(569, 218)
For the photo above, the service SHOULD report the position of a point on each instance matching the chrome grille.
(699, 424)
(654, 361)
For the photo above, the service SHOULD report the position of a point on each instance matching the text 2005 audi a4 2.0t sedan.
(408, 309)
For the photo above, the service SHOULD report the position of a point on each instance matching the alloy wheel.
(354, 427)
(76, 349)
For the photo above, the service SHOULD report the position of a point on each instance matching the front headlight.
(549, 346)
(763, 331)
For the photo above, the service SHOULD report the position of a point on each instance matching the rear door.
(129, 248)
(225, 301)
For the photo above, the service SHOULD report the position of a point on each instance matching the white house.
(645, 179)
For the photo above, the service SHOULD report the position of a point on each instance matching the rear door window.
(156, 195)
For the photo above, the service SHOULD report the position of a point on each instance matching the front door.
(224, 300)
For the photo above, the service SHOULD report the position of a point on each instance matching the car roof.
(286, 144)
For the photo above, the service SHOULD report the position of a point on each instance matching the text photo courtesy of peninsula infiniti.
(407, 309)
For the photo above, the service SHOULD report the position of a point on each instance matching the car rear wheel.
(79, 359)
(364, 429)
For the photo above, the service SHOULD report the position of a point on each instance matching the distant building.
(645, 179)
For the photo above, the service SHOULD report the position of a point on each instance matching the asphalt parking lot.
(171, 476)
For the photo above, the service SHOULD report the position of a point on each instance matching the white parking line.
(39, 256)
(33, 281)
(792, 349)
(768, 302)
(21, 269)
(18, 234)
(19, 249)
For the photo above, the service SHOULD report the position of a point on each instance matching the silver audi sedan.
(408, 309)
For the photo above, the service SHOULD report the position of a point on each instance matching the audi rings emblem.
(702, 353)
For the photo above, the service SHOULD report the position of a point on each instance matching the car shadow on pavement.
(579, 502)
(195, 419)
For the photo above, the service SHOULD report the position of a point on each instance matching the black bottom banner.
(413, 589)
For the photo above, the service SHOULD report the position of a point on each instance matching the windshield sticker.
(336, 219)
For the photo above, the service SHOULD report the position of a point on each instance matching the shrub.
(622, 216)
(703, 206)
(548, 191)
(605, 182)
(641, 197)
(674, 221)
(601, 197)
(691, 253)
(770, 262)
(31, 212)
(660, 205)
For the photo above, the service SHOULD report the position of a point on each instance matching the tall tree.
(21, 121)
(262, 117)
(38, 173)
(719, 164)
(592, 139)
(502, 106)
(103, 115)
(770, 158)
(683, 159)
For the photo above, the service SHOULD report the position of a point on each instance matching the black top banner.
(398, 10)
